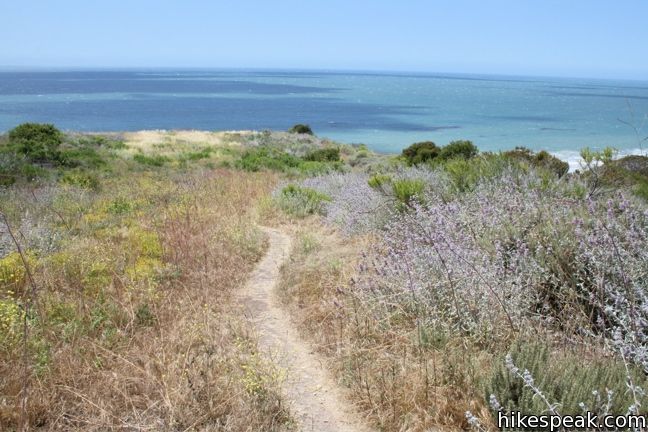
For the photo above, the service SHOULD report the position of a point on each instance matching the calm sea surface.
(386, 111)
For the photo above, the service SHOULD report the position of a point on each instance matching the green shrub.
(641, 189)
(267, 157)
(421, 152)
(465, 174)
(406, 190)
(458, 149)
(80, 178)
(275, 159)
(628, 172)
(552, 163)
(114, 144)
(301, 129)
(634, 163)
(98, 141)
(565, 378)
(330, 154)
(31, 172)
(301, 201)
(39, 142)
(311, 168)
(542, 159)
(377, 181)
(10, 165)
(156, 160)
(84, 156)
(119, 206)
(194, 156)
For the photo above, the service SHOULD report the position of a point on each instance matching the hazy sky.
(590, 38)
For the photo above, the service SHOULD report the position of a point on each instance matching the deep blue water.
(387, 111)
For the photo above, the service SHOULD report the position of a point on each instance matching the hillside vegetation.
(116, 285)
(445, 290)
(441, 285)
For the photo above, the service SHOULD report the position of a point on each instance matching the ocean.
(386, 111)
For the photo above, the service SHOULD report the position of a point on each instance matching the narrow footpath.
(316, 401)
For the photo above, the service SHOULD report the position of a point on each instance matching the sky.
(580, 38)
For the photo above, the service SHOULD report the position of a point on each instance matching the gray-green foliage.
(567, 379)
(301, 201)
(541, 159)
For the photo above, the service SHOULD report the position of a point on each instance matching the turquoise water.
(387, 111)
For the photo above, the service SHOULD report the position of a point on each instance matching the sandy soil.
(316, 400)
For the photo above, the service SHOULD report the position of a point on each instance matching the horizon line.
(32, 68)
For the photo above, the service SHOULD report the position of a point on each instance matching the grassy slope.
(130, 319)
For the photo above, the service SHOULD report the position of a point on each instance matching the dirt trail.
(316, 401)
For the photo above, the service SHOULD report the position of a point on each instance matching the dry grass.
(133, 325)
(400, 381)
(148, 139)
(175, 144)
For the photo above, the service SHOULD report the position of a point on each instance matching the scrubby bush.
(81, 178)
(420, 152)
(275, 159)
(634, 163)
(87, 157)
(491, 247)
(267, 157)
(330, 154)
(39, 142)
(119, 206)
(32, 148)
(379, 181)
(301, 129)
(628, 172)
(10, 166)
(407, 190)
(465, 174)
(542, 159)
(154, 161)
(97, 141)
(312, 168)
(301, 201)
(362, 203)
(520, 229)
(355, 207)
(427, 151)
(197, 155)
(575, 383)
(462, 149)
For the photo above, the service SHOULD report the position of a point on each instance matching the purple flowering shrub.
(355, 207)
(513, 250)
(506, 251)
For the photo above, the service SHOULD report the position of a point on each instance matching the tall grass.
(132, 325)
